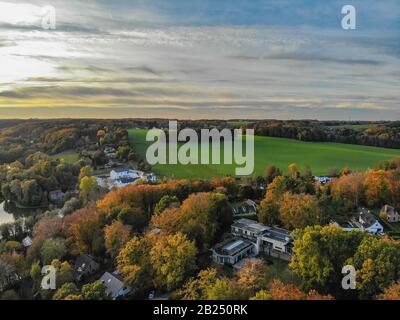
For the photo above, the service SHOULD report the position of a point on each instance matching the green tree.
(12, 246)
(377, 262)
(133, 262)
(197, 288)
(52, 249)
(320, 254)
(165, 202)
(95, 291)
(225, 289)
(173, 260)
(88, 188)
(35, 272)
(84, 172)
(66, 290)
(64, 272)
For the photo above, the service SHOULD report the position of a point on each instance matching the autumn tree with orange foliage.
(349, 188)
(391, 293)
(299, 210)
(116, 236)
(277, 290)
(202, 217)
(269, 207)
(84, 231)
(253, 276)
(376, 187)
(146, 197)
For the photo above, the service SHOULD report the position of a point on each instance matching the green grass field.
(68, 156)
(279, 152)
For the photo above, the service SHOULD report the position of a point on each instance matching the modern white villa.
(250, 238)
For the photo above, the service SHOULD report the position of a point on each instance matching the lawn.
(68, 156)
(238, 124)
(280, 152)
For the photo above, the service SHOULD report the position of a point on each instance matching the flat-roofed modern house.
(251, 238)
(276, 242)
(232, 251)
(248, 229)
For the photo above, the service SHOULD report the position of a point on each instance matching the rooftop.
(120, 170)
(364, 218)
(127, 180)
(232, 246)
(84, 260)
(112, 282)
(250, 225)
(244, 207)
(278, 234)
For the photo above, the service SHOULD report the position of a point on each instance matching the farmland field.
(279, 152)
(67, 156)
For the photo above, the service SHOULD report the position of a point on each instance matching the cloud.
(201, 58)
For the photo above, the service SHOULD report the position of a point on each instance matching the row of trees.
(295, 201)
(380, 135)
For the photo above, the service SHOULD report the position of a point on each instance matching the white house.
(364, 221)
(232, 251)
(323, 179)
(248, 229)
(123, 182)
(120, 173)
(251, 238)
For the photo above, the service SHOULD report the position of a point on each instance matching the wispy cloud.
(275, 59)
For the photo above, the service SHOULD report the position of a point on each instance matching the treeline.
(19, 138)
(51, 137)
(385, 135)
(296, 201)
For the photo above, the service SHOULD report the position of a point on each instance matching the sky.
(198, 59)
